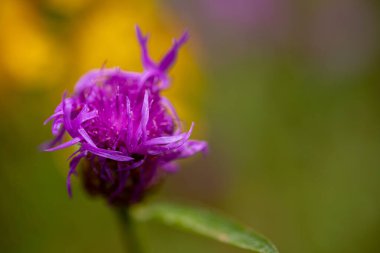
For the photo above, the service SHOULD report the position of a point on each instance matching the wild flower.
(128, 134)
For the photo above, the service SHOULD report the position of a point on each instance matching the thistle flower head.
(128, 134)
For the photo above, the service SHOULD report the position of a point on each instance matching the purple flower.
(128, 134)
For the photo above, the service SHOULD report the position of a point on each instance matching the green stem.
(128, 231)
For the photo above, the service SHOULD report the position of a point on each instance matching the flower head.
(128, 134)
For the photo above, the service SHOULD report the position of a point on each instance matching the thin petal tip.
(184, 38)
(142, 39)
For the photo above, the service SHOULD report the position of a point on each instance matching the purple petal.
(73, 165)
(64, 145)
(57, 126)
(143, 41)
(66, 108)
(192, 147)
(86, 137)
(173, 145)
(59, 113)
(144, 115)
(164, 140)
(110, 154)
(171, 56)
(129, 119)
(84, 116)
(56, 140)
(184, 139)
(141, 129)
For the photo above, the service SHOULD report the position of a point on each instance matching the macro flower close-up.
(129, 134)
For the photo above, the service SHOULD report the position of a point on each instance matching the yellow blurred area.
(107, 34)
(68, 6)
(26, 48)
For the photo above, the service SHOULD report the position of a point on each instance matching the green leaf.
(205, 223)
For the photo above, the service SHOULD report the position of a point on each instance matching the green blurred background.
(285, 91)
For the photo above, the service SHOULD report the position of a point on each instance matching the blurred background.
(285, 91)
